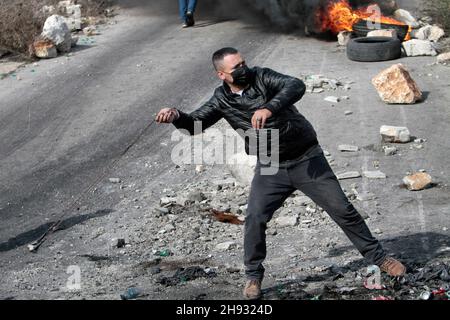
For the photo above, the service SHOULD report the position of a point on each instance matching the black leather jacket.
(268, 89)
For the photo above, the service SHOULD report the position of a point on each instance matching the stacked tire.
(370, 49)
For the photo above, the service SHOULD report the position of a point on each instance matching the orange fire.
(339, 16)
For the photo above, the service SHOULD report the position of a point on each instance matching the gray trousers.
(314, 177)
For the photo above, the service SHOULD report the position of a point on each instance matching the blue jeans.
(186, 6)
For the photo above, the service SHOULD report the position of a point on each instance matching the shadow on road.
(418, 248)
(30, 236)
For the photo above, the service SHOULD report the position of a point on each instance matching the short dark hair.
(219, 55)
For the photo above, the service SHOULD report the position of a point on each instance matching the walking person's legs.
(267, 194)
(192, 4)
(183, 7)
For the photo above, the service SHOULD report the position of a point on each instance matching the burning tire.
(374, 49)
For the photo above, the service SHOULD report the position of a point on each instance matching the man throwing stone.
(257, 98)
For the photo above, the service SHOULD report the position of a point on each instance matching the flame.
(339, 16)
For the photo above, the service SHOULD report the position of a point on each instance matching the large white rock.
(416, 47)
(73, 18)
(406, 17)
(431, 33)
(383, 33)
(344, 37)
(56, 30)
(443, 57)
(242, 167)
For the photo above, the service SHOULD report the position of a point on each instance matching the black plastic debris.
(186, 274)
(121, 243)
(131, 293)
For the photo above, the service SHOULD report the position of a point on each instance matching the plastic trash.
(163, 253)
(131, 293)
(382, 298)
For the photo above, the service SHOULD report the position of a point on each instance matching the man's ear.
(221, 75)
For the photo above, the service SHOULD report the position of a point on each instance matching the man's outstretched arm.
(208, 114)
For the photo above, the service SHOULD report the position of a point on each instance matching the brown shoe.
(252, 290)
(393, 267)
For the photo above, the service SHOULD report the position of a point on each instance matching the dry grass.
(439, 10)
(21, 21)
(20, 24)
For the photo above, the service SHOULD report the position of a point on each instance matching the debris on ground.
(395, 134)
(443, 57)
(406, 17)
(344, 37)
(56, 30)
(389, 150)
(383, 33)
(187, 274)
(416, 47)
(120, 243)
(418, 181)
(348, 148)
(226, 217)
(332, 99)
(45, 49)
(131, 293)
(429, 32)
(163, 253)
(396, 86)
(318, 83)
(348, 175)
(374, 174)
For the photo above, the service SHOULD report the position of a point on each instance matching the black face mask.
(242, 76)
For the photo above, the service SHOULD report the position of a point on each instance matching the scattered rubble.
(443, 57)
(348, 148)
(383, 33)
(227, 217)
(224, 246)
(344, 37)
(287, 221)
(120, 243)
(417, 181)
(72, 13)
(90, 31)
(374, 174)
(416, 47)
(395, 134)
(396, 86)
(389, 150)
(187, 274)
(318, 83)
(332, 99)
(56, 30)
(406, 17)
(131, 293)
(428, 32)
(45, 49)
(348, 175)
